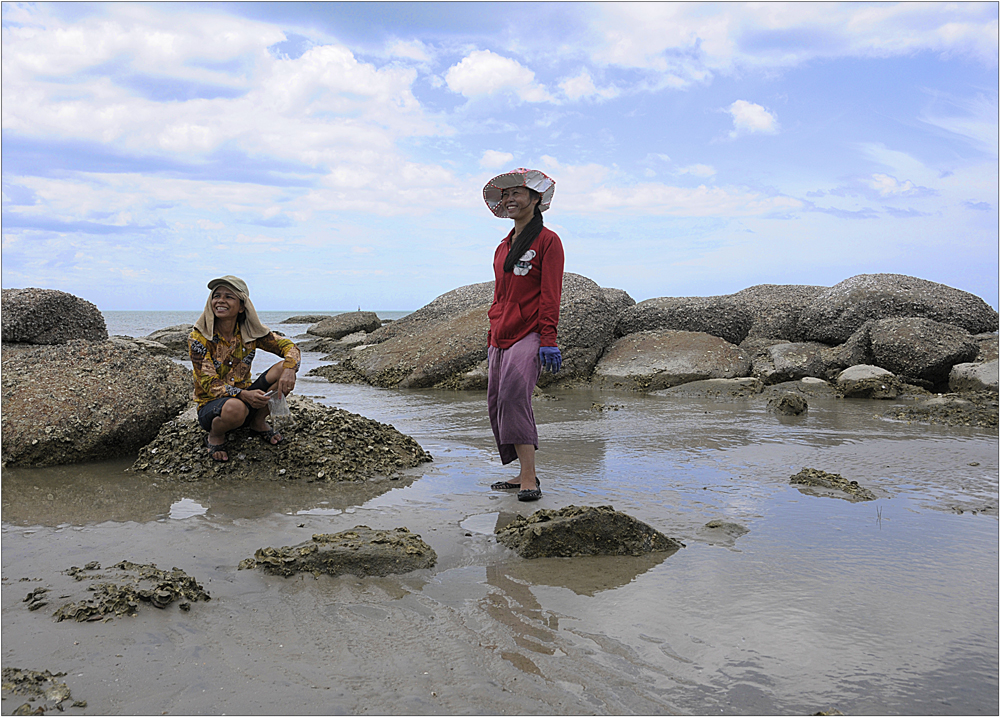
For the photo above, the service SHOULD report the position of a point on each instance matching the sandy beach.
(879, 607)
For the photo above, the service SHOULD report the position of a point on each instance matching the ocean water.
(143, 323)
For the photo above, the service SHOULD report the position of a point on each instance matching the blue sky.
(333, 155)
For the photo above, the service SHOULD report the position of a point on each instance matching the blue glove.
(551, 358)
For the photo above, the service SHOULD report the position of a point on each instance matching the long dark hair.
(527, 236)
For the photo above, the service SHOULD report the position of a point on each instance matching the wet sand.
(883, 607)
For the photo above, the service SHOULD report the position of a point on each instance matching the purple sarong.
(513, 374)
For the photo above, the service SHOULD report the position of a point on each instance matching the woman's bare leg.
(526, 458)
(234, 412)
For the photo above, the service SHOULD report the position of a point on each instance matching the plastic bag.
(281, 417)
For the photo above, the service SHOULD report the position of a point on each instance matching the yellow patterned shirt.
(222, 368)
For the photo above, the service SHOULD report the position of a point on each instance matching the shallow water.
(884, 607)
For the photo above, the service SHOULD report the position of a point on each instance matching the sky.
(334, 155)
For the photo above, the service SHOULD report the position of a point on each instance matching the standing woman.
(528, 266)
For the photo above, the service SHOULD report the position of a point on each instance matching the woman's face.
(519, 202)
(226, 304)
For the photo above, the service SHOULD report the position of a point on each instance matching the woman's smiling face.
(519, 202)
(226, 304)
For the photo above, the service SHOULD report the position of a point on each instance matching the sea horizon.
(143, 323)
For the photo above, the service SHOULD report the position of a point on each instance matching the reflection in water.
(186, 508)
(586, 575)
(99, 492)
(515, 607)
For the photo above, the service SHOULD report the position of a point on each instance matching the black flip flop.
(526, 495)
(221, 448)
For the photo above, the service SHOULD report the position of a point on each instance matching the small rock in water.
(821, 479)
(790, 404)
(588, 530)
(360, 551)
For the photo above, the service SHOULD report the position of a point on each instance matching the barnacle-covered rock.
(582, 530)
(820, 479)
(360, 551)
(320, 443)
(126, 586)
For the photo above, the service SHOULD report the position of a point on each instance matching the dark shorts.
(212, 409)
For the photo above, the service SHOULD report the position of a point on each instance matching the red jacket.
(527, 299)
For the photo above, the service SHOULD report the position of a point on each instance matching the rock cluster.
(833, 481)
(582, 530)
(360, 551)
(47, 316)
(320, 443)
(915, 329)
(977, 409)
(85, 400)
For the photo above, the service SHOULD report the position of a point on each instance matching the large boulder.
(582, 530)
(654, 360)
(775, 309)
(716, 315)
(85, 401)
(618, 299)
(920, 348)
(766, 311)
(791, 362)
(47, 316)
(360, 551)
(975, 376)
(444, 343)
(174, 337)
(307, 319)
(864, 381)
(838, 312)
(336, 327)
(989, 348)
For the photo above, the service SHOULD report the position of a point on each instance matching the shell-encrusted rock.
(320, 443)
(360, 551)
(821, 479)
(582, 530)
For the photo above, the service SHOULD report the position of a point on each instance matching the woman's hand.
(551, 358)
(254, 399)
(286, 382)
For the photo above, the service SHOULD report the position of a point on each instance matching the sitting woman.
(222, 347)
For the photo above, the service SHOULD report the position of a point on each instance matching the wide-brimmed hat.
(520, 177)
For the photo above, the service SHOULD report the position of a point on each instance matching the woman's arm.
(288, 351)
(551, 289)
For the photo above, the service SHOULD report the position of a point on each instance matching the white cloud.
(410, 50)
(484, 73)
(492, 158)
(697, 170)
(686, 43)
(596, 189)
(582, 86)
(888, 186)
(750, 118)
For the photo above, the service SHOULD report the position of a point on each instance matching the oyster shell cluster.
(320, 443)
(129, 587)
